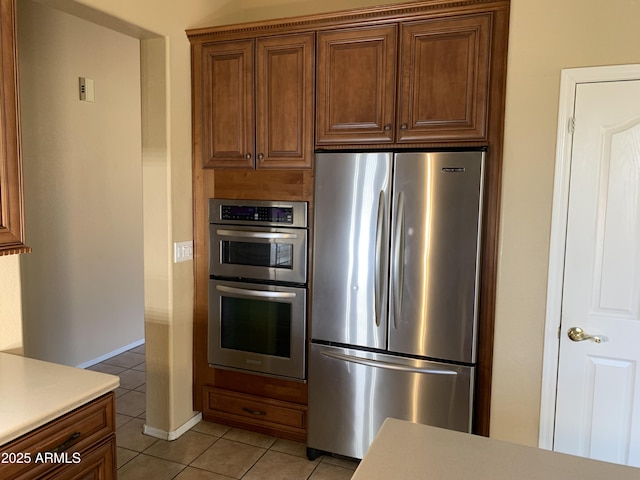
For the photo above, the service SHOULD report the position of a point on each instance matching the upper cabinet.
(416, 75)
(257, 102)
(356, 88)
(427, 83)
(228, 136)
(444, 79)
(11, 205)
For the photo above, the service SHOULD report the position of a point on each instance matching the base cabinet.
(265, 415)
(78, 445)
(97, 464)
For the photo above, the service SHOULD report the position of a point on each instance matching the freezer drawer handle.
(387, 365)
(255, 293)
(269, 235)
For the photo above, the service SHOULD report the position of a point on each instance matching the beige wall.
(82, 285)
(10, 305)
(545, 36)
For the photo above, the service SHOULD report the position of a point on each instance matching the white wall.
(82, 286)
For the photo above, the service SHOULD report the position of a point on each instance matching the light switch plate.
(86, 89)
(182, 251)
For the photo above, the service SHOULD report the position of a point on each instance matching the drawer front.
(97, 464)
(255, 408)
(45, 448)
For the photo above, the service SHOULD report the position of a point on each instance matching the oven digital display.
(248, 213)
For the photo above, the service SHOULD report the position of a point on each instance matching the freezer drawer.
(349, 398)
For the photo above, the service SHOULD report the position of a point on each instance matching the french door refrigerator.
(394, 294)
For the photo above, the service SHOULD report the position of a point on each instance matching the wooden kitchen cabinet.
(83, 440)
(11, 201)
(420, 75)
(228, 129)
(356, 87)
(97, 463)
(257, 105)
(440, 94)
(266, 415)
(444, 79)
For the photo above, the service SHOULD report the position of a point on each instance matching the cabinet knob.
(248, 156)
(404, 126)
(387, 127)
(260, 156)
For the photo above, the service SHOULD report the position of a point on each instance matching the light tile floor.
(208, 451)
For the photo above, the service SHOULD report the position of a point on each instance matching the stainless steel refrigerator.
(394, 294)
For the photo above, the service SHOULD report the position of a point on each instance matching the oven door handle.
(245, 234)
(255, 293)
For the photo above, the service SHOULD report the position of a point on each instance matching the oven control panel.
(258, 212)
(250, 213)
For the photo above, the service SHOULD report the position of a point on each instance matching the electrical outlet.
(182, 251)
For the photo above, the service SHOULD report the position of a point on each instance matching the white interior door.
(598, 385)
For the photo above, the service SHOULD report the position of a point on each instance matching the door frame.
(569, 79)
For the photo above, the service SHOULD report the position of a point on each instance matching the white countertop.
(33, 392)
(407, 451)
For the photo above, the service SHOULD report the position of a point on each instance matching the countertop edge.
(19, 382)
(402, 449)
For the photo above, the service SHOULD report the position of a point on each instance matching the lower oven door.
(257, 328)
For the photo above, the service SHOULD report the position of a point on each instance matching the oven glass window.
(276, 255)
(256, 326)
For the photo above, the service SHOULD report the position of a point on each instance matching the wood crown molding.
(344, 18)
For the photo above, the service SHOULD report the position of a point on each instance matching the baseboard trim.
(173, 434)
(107, 356)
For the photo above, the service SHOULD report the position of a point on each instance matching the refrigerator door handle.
(388, 365)
(379, 271)
(398, 260)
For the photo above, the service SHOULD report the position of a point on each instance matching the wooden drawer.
(97, 464)
(277, 417)
(72, 433)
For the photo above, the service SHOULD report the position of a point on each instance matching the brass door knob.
(576, 334)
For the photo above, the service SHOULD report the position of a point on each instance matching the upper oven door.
(260, 253)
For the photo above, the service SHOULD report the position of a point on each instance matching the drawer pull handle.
(253, 412)
(66, 444)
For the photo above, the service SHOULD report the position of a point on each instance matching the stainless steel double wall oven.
(258, 286)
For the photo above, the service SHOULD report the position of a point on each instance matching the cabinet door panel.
(228, 117)
(97, 464)
(284, 101)
(11, 201)
(444, 79)
(356, 85)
